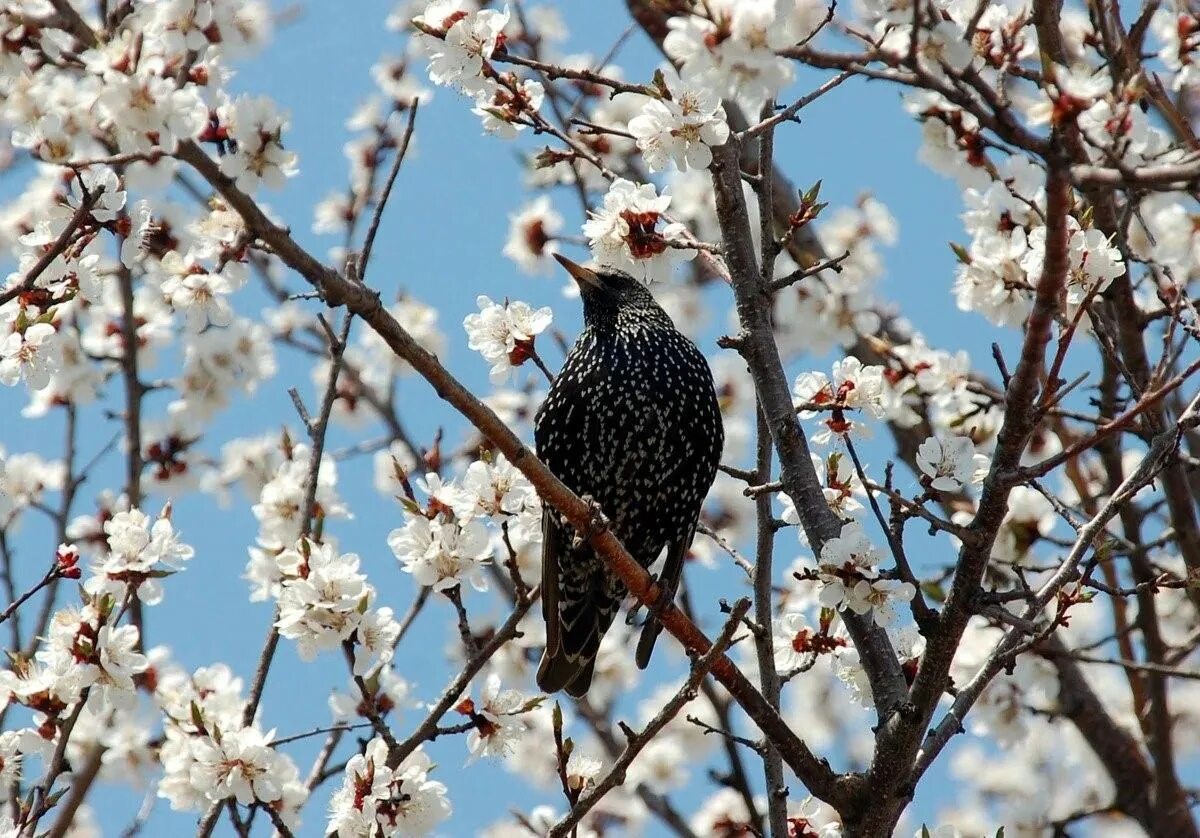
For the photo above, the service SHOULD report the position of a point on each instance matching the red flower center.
(643, 240)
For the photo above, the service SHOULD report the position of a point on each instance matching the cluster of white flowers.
(797, 644)
(531, 235)
(999, 711)
(464, 40)
(849, 576)
(1030, 516)
(440, 549)
(253, 128)
(623, 232)
(853, 387)
(32, 355)
(496, 720)
(951, 463)
(159, 80)
(504, 334)
(139, 555)
(682, 127)
(280, 506)
(733, 52)
(209, 755)
(86, 657)
(377, 800)
(324, 602)
(502, 108)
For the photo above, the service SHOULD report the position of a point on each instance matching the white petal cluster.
(375, 800)
(495, 719)
(951, 463)
(471, 35)
(531, 233)
(1094, 264)
(255, 126)
(623, 232)
(180, 26)
(146, 110)
(280, 504)
(324, 601)
(496, 489)
(503, 107)
(849, 576)
(733, 53)
(442, 552)
(32, 356)
(841, 487)
(504, 334)
(208, 755)
(240, 764)
(853, 387)
(1030, 517)
(682, 129)
(24, 480)
(83, 651)
(140, 554)
(202, 297)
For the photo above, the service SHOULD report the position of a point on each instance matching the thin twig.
(373, 228)
(56, 248)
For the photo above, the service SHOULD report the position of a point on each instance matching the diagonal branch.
(365, 303)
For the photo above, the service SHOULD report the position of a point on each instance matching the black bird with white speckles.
(632, 421)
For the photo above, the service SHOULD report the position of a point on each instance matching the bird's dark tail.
(668, 580)
(584, 609)
(557, 672)
(578, 608)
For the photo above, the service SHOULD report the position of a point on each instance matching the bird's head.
(613, 298)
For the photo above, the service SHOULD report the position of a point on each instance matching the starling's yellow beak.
(582, 275)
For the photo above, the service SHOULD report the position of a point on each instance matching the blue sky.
(441, 242)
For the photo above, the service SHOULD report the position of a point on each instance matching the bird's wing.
(668, 580)
(553, 541)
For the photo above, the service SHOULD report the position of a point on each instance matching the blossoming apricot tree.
(1055, 620)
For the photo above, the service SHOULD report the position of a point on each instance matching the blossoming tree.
(1050, 614)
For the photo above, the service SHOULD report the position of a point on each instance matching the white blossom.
(470, 38)
(1094, 264)
(504, 108)
(504, 333)
(495, 718)
(624, 232)
(241, 765)
(739, 62)
(845, 560)
(376, 800)
(33, 355)
(950, 462)
(256, 126)
(531, 232)
(140, 554)
(442, 554)
(682, 129)
(853, 387)
(321, 597)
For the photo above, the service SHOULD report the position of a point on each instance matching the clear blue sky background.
(441, 241)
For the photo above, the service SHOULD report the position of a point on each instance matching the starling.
(632, 422)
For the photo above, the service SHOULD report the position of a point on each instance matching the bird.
(631, 423)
